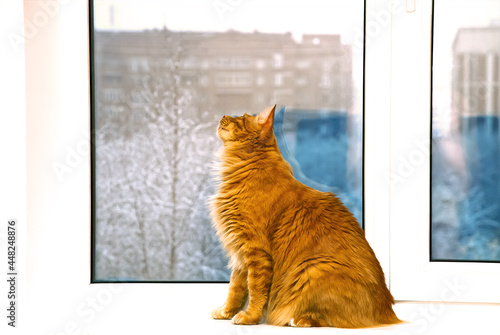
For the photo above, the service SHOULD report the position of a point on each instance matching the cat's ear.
(266, 118)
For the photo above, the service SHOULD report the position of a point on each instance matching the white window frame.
(412, 275)
(54, 290)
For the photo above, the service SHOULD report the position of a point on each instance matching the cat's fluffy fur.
(298, 256)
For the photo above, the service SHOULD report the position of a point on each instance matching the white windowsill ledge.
(185, 309)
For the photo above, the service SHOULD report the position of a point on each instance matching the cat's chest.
(232, 203)
(239, 206)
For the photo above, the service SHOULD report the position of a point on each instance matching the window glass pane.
(465, 131)
(165, 73)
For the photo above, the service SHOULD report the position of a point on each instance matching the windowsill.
(178, 314)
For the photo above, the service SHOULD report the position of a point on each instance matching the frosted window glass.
(162, 79)
(465, 131)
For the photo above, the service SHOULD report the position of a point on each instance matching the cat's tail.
(387, 317)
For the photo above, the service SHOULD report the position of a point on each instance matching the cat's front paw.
(244, 318)
(223, 313)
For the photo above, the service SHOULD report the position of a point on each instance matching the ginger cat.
(297, 255)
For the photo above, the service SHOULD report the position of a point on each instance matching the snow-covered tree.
(153, 179)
